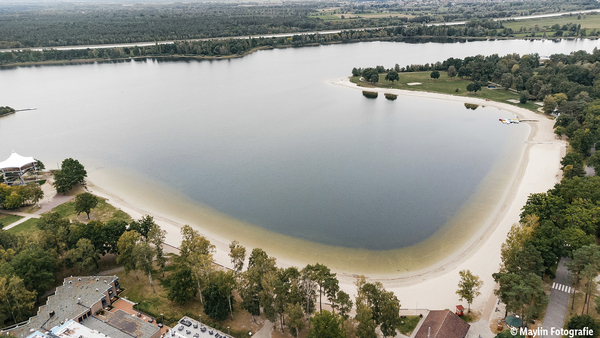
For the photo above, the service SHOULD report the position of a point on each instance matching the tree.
(326, 325)
(156, 237)
(343, 304)
(366, 324)
(435, 75)
(452, 72)
(113, 231)
(506, 80)
(325, 279)
(13, 201)
(36, 267)
(144, 255)
(295, 315)
(217, 295)
(549, 104)
(85, 256)
(143, 225)
(16, 301)
(392, 75)
(390, 314)
(524, 96)
(237, 253)
(70, 174)
(468, 287)
(181, 285)
(85, 202)
(560, 98)
(474, 87)
(582, 322)
(126, 246)
(39, 165)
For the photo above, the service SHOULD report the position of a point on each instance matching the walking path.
(559, 300)
(265, 332)
(14, 224)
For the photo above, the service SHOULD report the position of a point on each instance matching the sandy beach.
(430, 288)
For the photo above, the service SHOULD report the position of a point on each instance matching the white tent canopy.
(16, 161)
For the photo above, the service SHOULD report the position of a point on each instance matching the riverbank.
(431, 287)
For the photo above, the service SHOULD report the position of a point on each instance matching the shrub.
(471, 106)
(391, 97)
(370, 95)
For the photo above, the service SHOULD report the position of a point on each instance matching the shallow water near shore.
(263, 150)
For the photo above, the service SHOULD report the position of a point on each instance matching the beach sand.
(430, 288)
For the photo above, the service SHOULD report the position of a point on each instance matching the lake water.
(267, 140)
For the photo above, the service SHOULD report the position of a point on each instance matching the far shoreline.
(538, 170)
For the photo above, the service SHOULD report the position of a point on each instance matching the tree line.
(287, 297)
(50, 25)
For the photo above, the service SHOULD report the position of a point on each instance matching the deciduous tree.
(70, 174)
(85, 202)
(468, 287)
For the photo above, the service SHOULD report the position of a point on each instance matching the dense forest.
(474, 29)
(50, 25)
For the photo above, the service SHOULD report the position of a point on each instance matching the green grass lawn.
(8, 219)
(544, 24)
(408, 324)
(445, 85)
(28, 225)
(103, 212)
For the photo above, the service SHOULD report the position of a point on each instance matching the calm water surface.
(267, 140)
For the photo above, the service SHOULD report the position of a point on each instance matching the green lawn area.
(28, 225)
(103, 212)
(544, 24)
(8, 219)
(445, 85)
(408, 324)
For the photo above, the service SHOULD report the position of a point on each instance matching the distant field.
(544, 24)
(336, 16)
(446, 85)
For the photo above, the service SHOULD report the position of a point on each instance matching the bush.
(370, 95)
(471, 106)
(391, 97)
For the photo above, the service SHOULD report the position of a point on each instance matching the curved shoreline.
(434, 286)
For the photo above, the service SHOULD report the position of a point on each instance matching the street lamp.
(162, 318)
(229, 334)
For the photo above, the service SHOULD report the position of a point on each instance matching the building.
(443, 324)
(191, 328)
(78, 306)
(18, 169)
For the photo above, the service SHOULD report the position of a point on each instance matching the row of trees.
(81, 24)
(287, 297)
(12, 197)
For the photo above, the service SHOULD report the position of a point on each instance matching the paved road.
(559, 300)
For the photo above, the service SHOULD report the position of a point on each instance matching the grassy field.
(445, 85)
(8, 219)
(28, 225)
(103, 212)
(139, 291)
(408, 324)
(544, 24)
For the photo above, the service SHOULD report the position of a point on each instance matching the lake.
(266, 139)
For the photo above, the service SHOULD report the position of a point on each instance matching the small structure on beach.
(19, 169)
(460, 310)
(443, 324)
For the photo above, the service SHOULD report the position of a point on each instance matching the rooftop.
(122, 324)
(443, 324)
(190, 328)
(74, 297)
